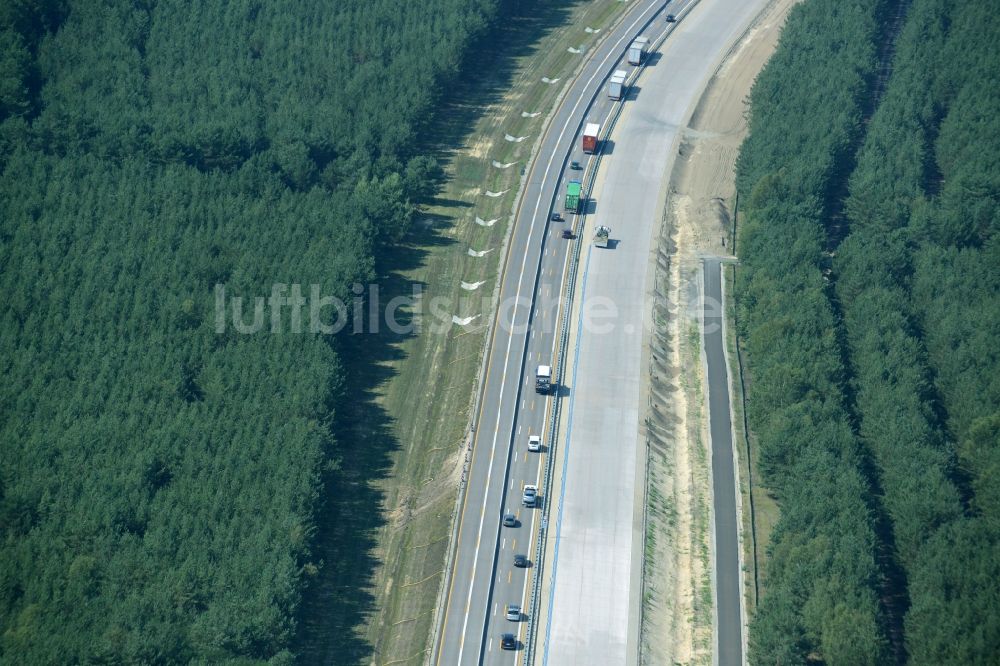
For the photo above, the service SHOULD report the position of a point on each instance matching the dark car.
(508, 642)
(671, 18)
(509, 520)
(567, 233)
(556, 217)
(520, 560)
(575, 165)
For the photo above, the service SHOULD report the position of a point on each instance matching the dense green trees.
(823, 579)
(911, 353)
(926, 183)
(158, 479)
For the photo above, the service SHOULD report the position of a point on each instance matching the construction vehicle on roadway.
(602, 236)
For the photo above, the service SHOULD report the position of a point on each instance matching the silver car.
(513, 612)
(530, 496)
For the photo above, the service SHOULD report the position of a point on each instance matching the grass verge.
(383, 544)
(760, 509)
(701, 510)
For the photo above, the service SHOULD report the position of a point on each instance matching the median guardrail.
(569, 289)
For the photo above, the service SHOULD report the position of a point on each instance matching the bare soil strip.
(677, 595)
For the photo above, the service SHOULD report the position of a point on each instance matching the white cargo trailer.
(637, 51)
(616, 88)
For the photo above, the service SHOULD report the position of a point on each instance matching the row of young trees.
(903, 323)
(158, 479)
(824, 576)
(925, 187)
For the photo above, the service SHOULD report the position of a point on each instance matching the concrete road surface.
(595, 602)
(483, 579)
(593, 616)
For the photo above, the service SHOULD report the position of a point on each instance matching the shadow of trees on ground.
(339, 600)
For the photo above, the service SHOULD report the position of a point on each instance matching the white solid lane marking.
(599, 70)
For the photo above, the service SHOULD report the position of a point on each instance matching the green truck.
(573, 196)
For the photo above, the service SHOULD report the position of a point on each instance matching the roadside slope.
(696, 222)
(599, 524)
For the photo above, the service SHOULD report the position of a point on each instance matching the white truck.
(543, 379)
(637, 51)
(616, 88)
(602, 235)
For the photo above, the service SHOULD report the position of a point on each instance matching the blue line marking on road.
(562, 489)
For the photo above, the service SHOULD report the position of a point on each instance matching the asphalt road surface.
(483, 578)
(728, 635)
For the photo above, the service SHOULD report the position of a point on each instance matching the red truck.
(590, 137)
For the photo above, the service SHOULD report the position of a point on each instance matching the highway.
(594, 609)
(596, 520)
(483, 578)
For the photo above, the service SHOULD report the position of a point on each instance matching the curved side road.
(727, 574)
